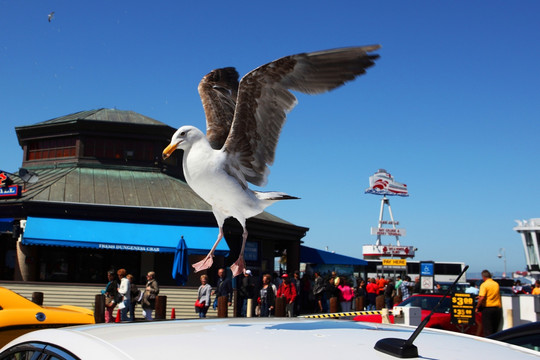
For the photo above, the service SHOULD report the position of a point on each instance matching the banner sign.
(388, 231)
(387, 250)
(462, 309)
(128, 247)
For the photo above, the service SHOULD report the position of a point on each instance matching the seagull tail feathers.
(274, 196)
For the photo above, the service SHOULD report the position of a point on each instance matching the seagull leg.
(239, 265)
(209, 259)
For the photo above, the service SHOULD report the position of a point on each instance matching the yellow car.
(19, 315)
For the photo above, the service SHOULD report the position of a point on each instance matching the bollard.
(37, 298)
(161, 307)
(173, 313)
(509, 318)
(223, 306)
(249, 310)
(334, 305)
(281, 302)
(99, 309)
(385, 316)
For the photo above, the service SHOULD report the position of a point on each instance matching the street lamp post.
(502, 254)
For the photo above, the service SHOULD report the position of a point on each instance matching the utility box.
(407, 315)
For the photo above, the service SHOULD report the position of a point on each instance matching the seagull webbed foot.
(204, 263)
(238, 267)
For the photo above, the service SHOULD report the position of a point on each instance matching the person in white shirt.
(123, 289)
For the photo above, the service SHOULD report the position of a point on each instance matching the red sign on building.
(6, 189)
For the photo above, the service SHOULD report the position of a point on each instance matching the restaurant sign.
(6, 189)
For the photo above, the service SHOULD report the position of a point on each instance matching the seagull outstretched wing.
(264, 100)
(218, 91)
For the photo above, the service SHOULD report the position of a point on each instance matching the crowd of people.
(121, 292)
(303, 295)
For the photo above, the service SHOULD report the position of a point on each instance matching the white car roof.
(261, 339)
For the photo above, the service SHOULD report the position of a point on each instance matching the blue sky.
(451, 108)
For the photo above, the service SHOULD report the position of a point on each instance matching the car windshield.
(428, 303)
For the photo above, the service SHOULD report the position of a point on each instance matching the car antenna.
(404, 348)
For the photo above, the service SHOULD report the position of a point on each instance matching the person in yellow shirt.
(536, 290)
(489, 303)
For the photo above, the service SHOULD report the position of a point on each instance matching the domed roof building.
(94, 194)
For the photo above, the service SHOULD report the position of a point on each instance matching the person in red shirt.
(372, 289)
(381, 283)
(287, 290)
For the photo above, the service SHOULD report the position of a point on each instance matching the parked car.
(459, 287)
(441, 319)
(18, 315)
(260, 338)
(505, 290)
(526, 335)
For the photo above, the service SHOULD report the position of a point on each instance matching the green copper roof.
(107, 115)
(116, 187)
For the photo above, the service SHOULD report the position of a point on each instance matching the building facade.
(93, 194)
(530, 233)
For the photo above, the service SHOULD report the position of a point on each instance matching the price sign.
(462, 309)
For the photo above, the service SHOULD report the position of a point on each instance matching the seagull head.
(183, 138)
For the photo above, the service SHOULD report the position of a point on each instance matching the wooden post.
(99, 309)
(360, 303)
(379, 302)
(281, 303)
(235, 303)
(223, 306)
(161, 307)
(334, 304)
(37, 298)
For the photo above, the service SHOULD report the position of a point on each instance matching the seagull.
(243, 124)
(51, 15)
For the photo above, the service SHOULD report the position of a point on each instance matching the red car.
(441, 319)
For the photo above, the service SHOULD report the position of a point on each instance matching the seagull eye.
(183, 133)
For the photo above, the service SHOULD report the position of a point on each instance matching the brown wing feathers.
(264, 100)
(218, 91)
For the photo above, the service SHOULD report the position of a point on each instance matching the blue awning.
(120, 236)
(314, 256)
(6, 224)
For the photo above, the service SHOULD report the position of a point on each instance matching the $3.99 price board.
(462, 309)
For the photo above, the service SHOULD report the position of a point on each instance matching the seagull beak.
(169, 150)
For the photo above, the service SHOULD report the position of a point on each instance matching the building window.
(531, 252)
(115, 149)
(52, 148)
